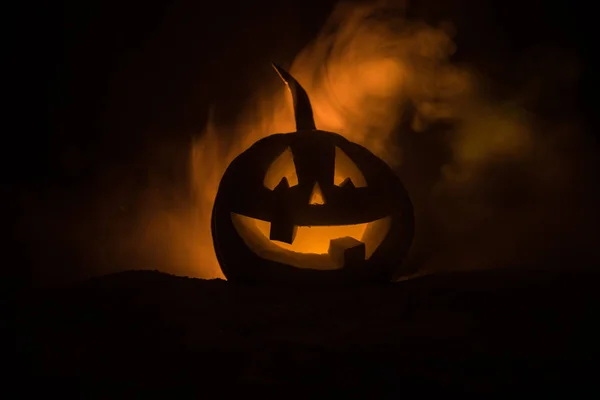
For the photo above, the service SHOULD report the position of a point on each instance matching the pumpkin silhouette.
(309, 194)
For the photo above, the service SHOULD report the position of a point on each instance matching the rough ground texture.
(479, 331)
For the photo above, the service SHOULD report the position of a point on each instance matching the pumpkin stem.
(302, 108)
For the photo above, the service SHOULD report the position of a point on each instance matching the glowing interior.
(317, 196)
(311, 244)
(315, 239)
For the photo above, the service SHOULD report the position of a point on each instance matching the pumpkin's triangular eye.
(282, 168)
(346, 169)
(347, 184)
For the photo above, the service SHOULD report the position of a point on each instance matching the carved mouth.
(316, 247)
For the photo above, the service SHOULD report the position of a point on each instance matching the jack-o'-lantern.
(275, 196)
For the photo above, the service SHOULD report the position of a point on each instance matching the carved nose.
(316, 196)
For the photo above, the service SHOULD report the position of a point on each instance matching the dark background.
(97, 86)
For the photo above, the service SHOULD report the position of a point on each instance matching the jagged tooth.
(283, 184)
(347, 184)
(283, 230)
(347, 252)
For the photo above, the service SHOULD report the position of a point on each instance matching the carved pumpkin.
(310, 178)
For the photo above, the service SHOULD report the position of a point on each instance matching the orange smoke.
(500, 187)
(360, 73)
(357, 73)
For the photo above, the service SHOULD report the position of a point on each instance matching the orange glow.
(311, 244)
(315, 239)
(316, 198)
(282, 167)
(358, 73)
(355, 89)
(345, 168)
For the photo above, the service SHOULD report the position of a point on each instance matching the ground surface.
(477, 331)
